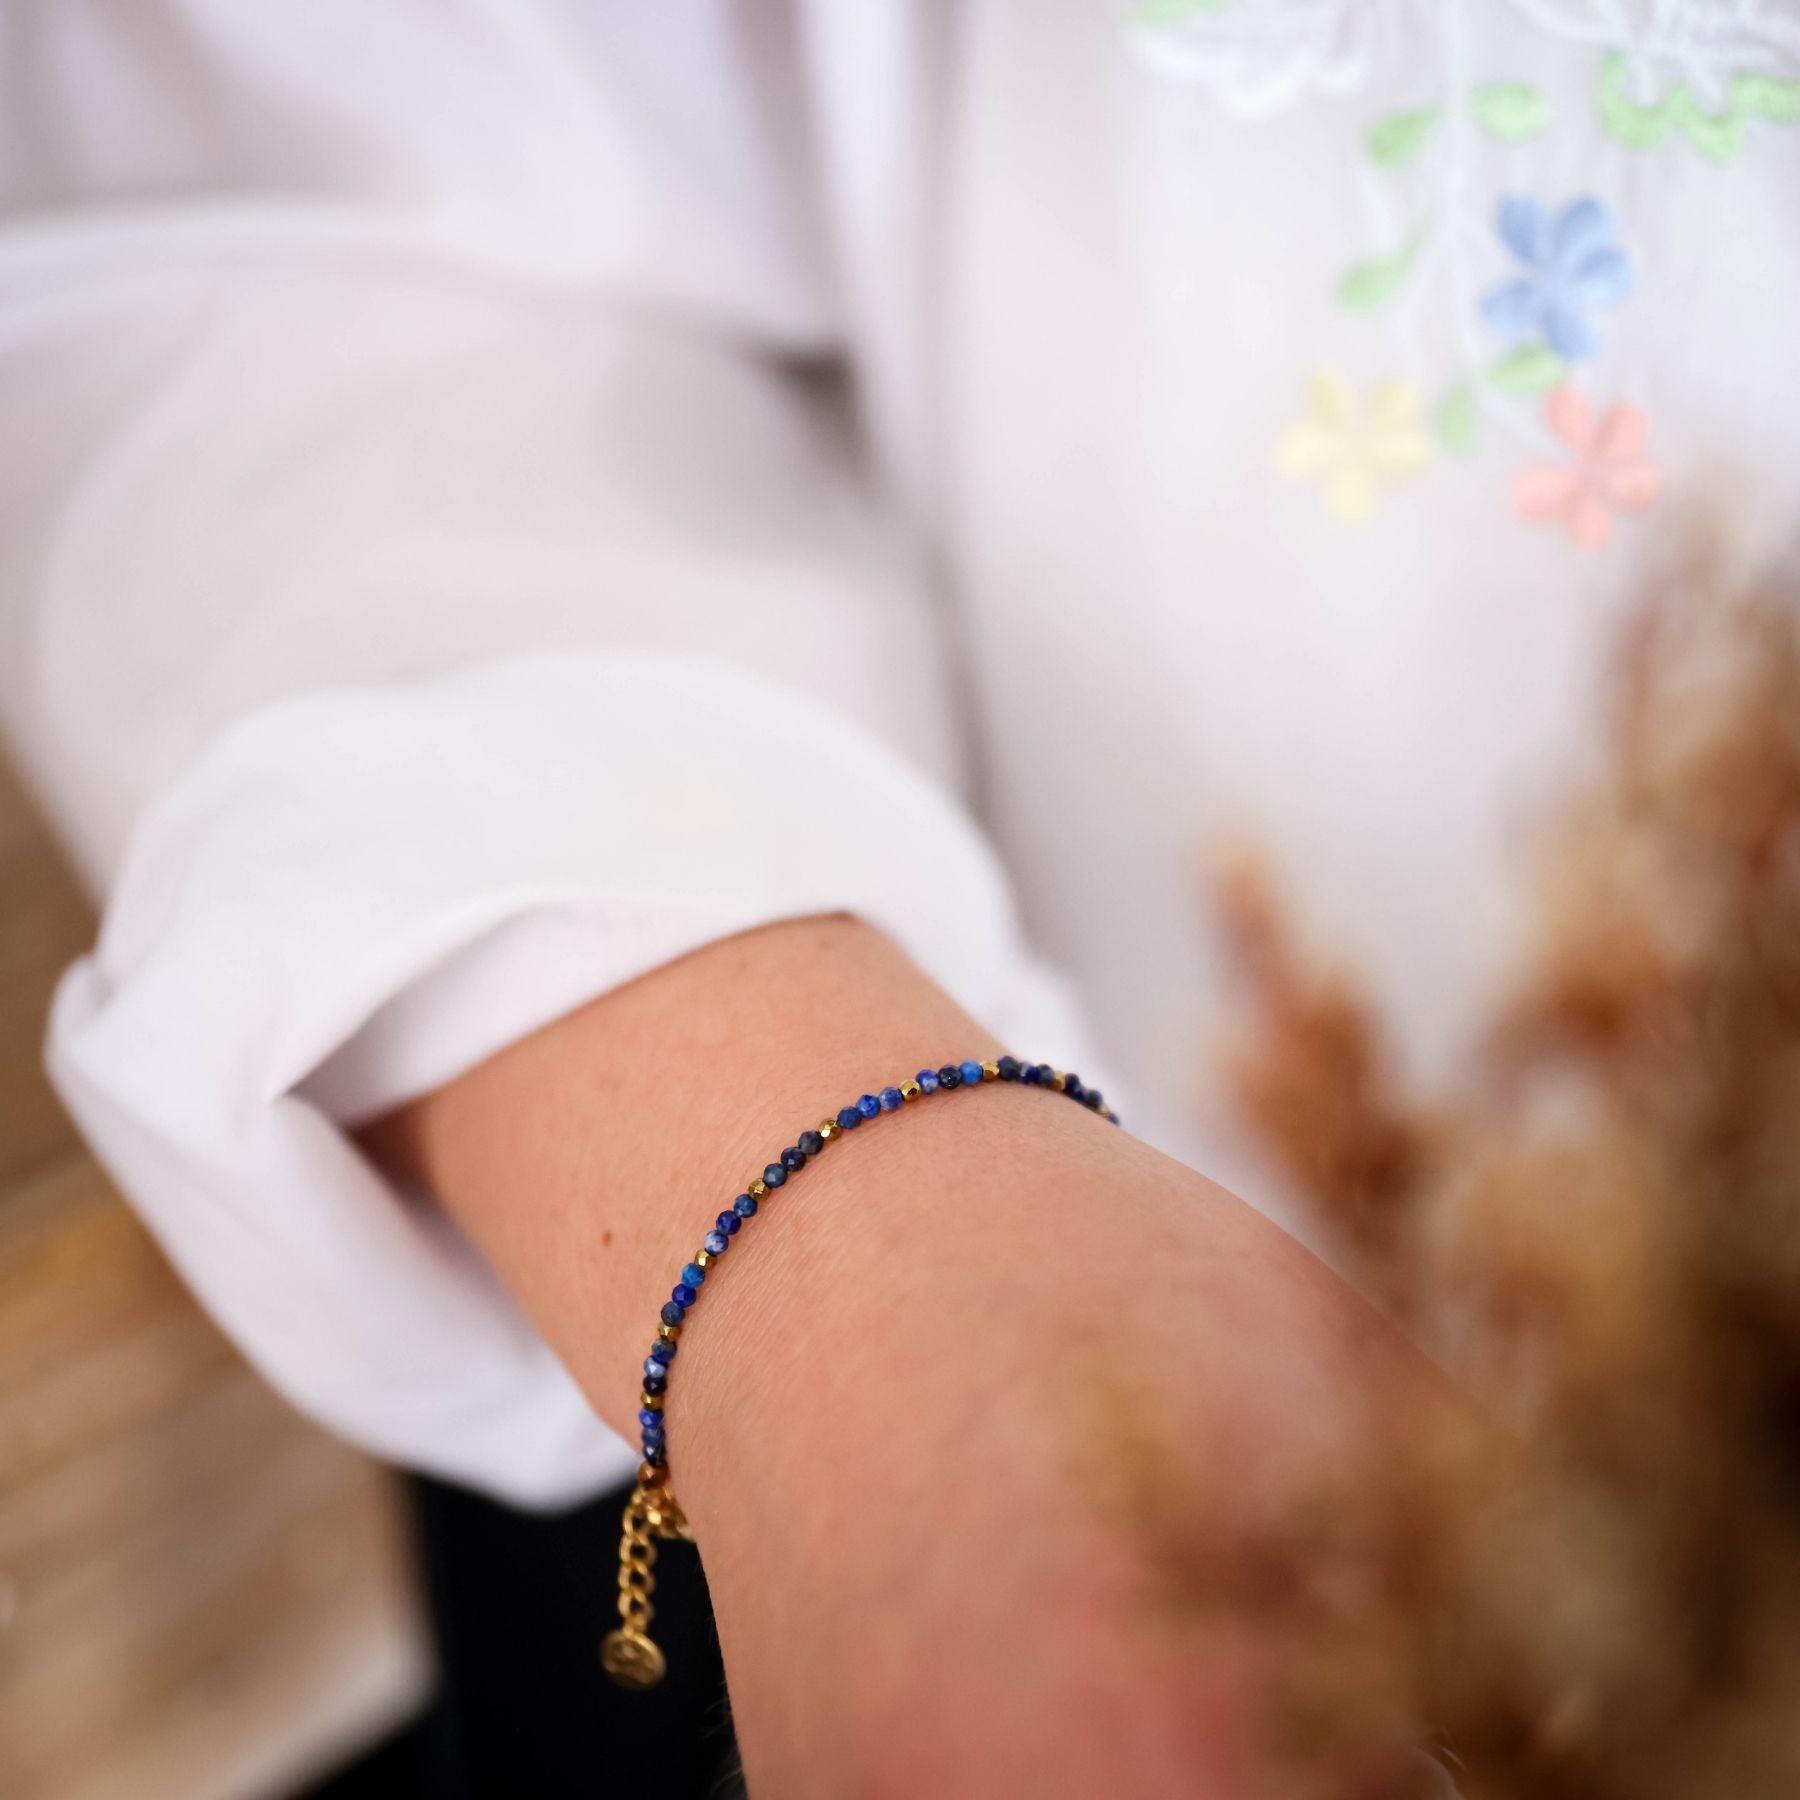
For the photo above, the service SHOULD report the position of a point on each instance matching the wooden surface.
(201, 1595)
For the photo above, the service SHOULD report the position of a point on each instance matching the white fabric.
(437, 583)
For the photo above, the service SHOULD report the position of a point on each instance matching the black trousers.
(519, 1603)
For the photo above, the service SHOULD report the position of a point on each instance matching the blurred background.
(200, 1593)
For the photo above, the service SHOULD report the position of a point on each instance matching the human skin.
(942, 1395)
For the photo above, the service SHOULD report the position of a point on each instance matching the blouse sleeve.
(435, 587)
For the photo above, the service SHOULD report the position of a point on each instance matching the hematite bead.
(684, 1295)
(715, 1242)
(650, 1400)
(848, 1118)
(1009, 1068)
(656, 1378)
(793, 1158)
(692, 1274)
(890, 1099)
(868, 1105)
(744, 1207)
(928, 1081)
(758, 1189)
(674, 1311)
(810, 1143)
(910, 1090)
(650, 1420)
(949, 1076)
(971, 1073)
(702, 1258)
(729, 1223)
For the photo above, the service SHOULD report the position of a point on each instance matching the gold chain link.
(629, 1654)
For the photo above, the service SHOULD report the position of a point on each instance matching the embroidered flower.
(1574, 267)
(1356, 444)
(1260, 57)
(1609, 470)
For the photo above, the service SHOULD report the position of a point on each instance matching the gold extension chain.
(630, 1655)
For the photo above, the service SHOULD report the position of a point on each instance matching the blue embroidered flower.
(1574, 267)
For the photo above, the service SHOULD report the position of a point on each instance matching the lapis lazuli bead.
(1046, 1075)
(1008, 1067)
(868, 1105)
(810, 1143)
(971, 1074)
(692, 1274)
(716, 1242)
(654, 1455)
(654, 1384)
(792, 1158)
(674, 1311)
(651, 1421)
(890, 1099)
(774, 1174)
(653, 1434)
(729, 1223)
(950, 1076)
(849, 1118)
(927, 1080)
(683, 1296)
(1072, 1086)
(662, 1351)
(744, 1206)
(1029, 1074)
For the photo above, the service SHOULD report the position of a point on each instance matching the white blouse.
(440, 579)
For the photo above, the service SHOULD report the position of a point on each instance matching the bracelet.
(629, 1654)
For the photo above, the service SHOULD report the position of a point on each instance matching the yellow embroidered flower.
(1355, 444)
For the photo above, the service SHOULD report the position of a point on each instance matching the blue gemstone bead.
(716, 1242)
(662, 1351)
(950, 1076)
(683, 1295)
(774, 1174)
(971, 1074)
(652, 1434)
(1072, 1086)
(654, 1455)
(674, 1311)
(1008, 1067)
(927, 1080)
(729, 1223)
(810, 1143)
(890, 1099)
(654, 1384)
(1029, 1074)
(849, 1118)
(792, 1158)
(868, 1106)
(1046, 1075)
(692, 1274)
(651, 1421)
(744, 1206)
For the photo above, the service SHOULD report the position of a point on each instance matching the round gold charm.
(632, 1659)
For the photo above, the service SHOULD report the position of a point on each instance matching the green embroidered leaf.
(1172, 12)
(1457, 420)
(1531, 369)
(1365, 286)
(1636, 127)
(1513, 110)
(1768, 97)
(1399, 137)
(1717, 136)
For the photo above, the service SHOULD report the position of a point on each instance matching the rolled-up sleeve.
(432, 592)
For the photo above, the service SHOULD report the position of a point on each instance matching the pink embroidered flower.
(1609, 470)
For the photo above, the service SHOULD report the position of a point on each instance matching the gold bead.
(704, 1258)
(651, 1475)
(1059, 1080)
(990, 1071)
(829, 1128)
(758, 1190)
(669, 1333)
(651, 1402)
(910, 1090)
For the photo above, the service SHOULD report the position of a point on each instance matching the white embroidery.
(1259, 57)
(1700, 45)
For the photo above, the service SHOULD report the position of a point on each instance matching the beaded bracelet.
(629, 1654)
